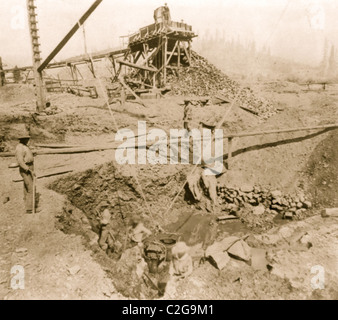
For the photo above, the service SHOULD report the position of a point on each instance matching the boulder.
(329, 212)
(240, 250)
(219, 257)
(288, 215)
(305, 239)
(247, 188)
(307, 204)
(270, 238)
(259, 210)
(285, 232)
(277, 207)
(276, 194)
(217, 251)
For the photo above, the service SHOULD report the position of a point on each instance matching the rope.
(102, 88)
(116, 126)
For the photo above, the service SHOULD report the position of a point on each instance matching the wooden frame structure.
(153, 53)
(38, 66)
(164, 46)
(38, 77)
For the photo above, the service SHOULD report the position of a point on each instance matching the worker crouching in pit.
(107, 240)
(138, 232)
(202, 186)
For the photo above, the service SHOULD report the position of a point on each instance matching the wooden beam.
(138, 99)
(69, 35)
(251, 134)
(47, 175)
(179, 54)
(165, 61)
(173, 51)
(136, 66)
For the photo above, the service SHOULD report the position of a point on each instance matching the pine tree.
(332, 63)
(323, 64)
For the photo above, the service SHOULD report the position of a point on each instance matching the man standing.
(25, 159)
(166, 15)
(187, 118)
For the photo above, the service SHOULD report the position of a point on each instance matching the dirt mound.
(204, 79)
(89, 189)
(322, 172)
(16, 93)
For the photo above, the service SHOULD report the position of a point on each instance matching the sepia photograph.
(179, 152)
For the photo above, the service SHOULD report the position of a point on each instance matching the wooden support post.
(39, 85)
(178, 54)
(91, 68)
(64, 41)
(165, 52)
(2, 74)
(138, 56)
(27, 76)
(146, 51)
(189, 52)
(154, 81)
(230, 140)
(72, 74)
(172, 53)
(77, 80)
(138, 99)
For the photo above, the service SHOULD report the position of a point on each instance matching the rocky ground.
(58, 246)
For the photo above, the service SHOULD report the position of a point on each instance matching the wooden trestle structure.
(153, 53)
(163, 46)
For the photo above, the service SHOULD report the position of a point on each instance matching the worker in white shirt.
(25, 159)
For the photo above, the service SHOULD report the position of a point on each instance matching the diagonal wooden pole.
(64, 41)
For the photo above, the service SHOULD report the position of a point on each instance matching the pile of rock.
(262, 201)
(204, 79)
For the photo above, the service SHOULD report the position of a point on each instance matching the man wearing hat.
(187, 118)
(25, 159)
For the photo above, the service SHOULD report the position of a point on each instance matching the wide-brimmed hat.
(24, 136)
(179, 248)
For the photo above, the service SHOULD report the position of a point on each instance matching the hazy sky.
(293, 29)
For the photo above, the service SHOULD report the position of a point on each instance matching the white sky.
(293, 29)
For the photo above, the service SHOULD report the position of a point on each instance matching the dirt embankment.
(321, 173)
